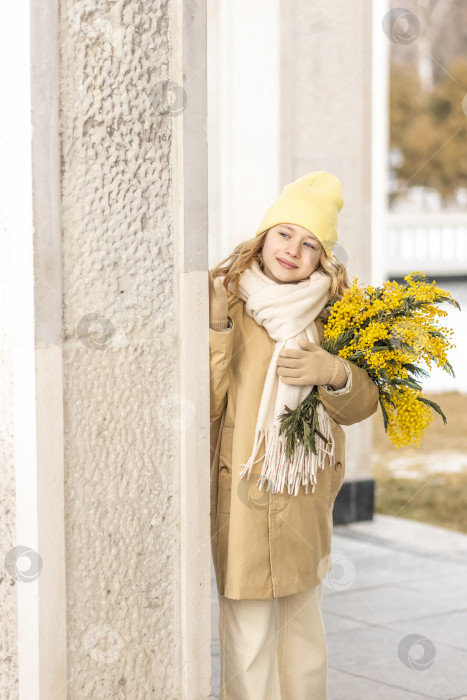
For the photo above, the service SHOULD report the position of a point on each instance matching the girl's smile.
(290, 253)
(286, 264)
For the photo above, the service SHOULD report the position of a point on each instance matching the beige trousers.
(273, 649)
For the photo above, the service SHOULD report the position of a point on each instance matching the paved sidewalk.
(391, 578)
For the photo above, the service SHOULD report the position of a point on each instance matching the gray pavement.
(391, 578)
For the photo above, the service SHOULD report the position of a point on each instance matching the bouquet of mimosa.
(388, 331)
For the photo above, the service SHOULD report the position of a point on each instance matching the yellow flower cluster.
(408, 418)
(373, 332)
(343, 315)
(384, 329)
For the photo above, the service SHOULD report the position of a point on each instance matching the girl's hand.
(218, 304)
(312, 365)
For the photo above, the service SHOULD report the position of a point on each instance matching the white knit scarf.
(287, 312)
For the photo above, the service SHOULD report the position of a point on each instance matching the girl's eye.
(281, 233)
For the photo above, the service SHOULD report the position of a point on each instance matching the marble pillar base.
(355, 501)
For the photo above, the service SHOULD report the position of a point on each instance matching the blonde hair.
(243, 255)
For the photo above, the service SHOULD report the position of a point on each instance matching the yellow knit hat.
(313, 201)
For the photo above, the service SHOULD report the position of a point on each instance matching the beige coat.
(268, 545)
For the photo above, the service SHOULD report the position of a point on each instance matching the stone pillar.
(104, 254)
(33, 531)
(326, 124)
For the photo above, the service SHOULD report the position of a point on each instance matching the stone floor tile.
(348, 686)
(333, 624)
(372, 654)
(451, 588)
(383, 605)
(449, 629)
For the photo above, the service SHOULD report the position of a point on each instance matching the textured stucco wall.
(120, 383)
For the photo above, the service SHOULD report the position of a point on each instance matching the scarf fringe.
(278, 470)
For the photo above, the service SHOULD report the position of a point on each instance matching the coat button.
(339, 464)
(224, 469)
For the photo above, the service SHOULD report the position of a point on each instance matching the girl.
(271, 533)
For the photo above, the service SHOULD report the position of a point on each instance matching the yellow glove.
(311, 365)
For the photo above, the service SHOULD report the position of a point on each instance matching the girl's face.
(294, 245)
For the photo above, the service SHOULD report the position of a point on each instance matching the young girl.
(271, 518)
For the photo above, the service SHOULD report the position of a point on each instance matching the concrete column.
(191, 186)
(326, 121)
(103, 293)
(34, 551)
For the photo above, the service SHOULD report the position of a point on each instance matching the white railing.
(433, 242)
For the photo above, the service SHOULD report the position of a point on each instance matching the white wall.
(244, 119)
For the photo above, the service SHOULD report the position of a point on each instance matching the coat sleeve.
(220, 354)
(357, 400)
